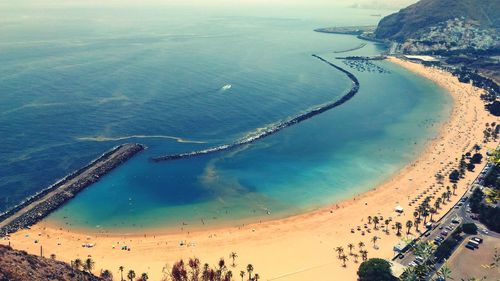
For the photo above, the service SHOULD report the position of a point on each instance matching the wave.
(275, 127)
(103, 138)
(32, 105)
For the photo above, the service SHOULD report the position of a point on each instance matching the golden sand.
(299, 247)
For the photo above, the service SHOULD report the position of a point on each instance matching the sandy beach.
(299, 247)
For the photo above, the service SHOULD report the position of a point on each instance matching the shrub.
(476, 158)
(454, 176)
(469, 228)
(446, 248)
(375, 270)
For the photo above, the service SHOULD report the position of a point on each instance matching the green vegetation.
(493, 178)
(194, 271)
(445, 249)
(454, 176)
(375, 270)
(487, 214)
(469, 228)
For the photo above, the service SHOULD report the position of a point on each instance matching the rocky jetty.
(42, 204)
(276, 127)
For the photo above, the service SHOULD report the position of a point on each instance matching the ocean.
(75, 82)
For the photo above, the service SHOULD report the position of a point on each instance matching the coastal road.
(458, 214)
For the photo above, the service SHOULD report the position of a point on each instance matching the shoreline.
(312, 235)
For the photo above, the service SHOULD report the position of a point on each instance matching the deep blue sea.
(75, 82)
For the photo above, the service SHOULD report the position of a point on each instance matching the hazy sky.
(359, 3)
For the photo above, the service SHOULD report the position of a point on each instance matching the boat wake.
(226, 87)
(275, 127)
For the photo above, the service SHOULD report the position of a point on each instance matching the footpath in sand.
(299, 247)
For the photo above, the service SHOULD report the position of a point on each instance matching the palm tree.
(52, 256)
(229, 275)
(387, 222)
(425, 214)
(375, 221)
(339, 250)
(410, 274)
(344, 258)
(417, 222)
(454, 186)
(364, 254)
(437, 204)
(250, 270)
(445, 272)
(144, 277)
(89, 265)
(194, 264)
(242, 274)
(398, 228)
(350, 246)
(131, 275)
(222, 264)
(416, 214)
(374, 240)
(233, 256)
(78, 264)
(106, 275)
(432, 211)
(443, 195)
(439, 178)
(420, 210)
(369, 219)
(409, 224)
(355, 258)
(361, 245)
(256, 277)
(121, 268)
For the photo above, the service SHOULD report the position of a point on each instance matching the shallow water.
(72, 87)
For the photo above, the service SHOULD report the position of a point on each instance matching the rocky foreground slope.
(20, 266)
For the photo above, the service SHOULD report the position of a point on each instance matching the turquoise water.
(76, 82)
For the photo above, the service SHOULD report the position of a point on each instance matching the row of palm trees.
(89, 264)
(362, 252)
(399, 226)
(193, 271)
(131, 275)
(424, 210)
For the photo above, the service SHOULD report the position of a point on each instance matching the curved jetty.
(42, 204)
(273, 128)
(351, 49)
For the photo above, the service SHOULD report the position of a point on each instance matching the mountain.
(412, 20)
(20, 266)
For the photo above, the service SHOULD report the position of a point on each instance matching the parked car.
(473, 243)
(470, 247)
(477, 239)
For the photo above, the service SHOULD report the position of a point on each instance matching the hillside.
(20, 266)
(409, 21)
